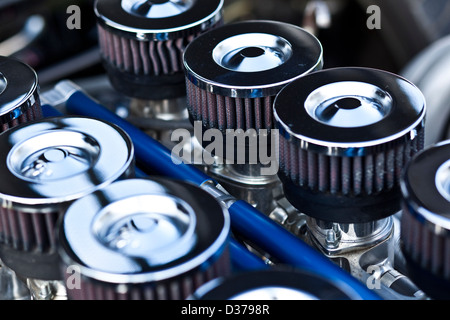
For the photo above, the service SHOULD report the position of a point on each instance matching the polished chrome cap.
(426, 188)
(274, 293)
(443, 180)
(162, 227)
(156, 9)
(18, 89)
(144, 230)
(425, 223)
(348, 104)
(345, 136)
(252, 52)
(251, 59)
(274, 284)
(158, 19)
(349, 111)
(56, 160)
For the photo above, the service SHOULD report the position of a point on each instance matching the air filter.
(234, 72)
(19, 97)
(142, 42)
(144, 239)
(274, 284)
(45, 165)
(425, 223)
(345, 136)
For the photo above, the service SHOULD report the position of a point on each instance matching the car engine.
(225, 150)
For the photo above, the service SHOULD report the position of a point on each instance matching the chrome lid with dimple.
(18, 88)
(443, 180)
(55, 160)
(144, 230)
(426, 188)
(156, 9)
(158, 19)
(252, 52)
(274, 293)
(349, 111)
(425, 219)
(275, 284)
(251, 59)
(348, 104)
(160, 225)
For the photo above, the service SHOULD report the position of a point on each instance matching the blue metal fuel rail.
(152, 156)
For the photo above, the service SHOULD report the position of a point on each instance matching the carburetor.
(99, 206)
(233, 74)
(345, 136)
(142, 45)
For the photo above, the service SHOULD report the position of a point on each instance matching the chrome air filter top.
(144, 239)
(234, 72)
(142, 42)
(44, 166)
(19, 96)
(274, 284)
(425, 223)
(345, 136)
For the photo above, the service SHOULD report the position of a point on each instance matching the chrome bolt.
(333, 237)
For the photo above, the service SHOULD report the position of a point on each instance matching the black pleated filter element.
(143, 239)
(142, 42)
(19, 94)
(425, 221)
(47, 164)
(346, 135)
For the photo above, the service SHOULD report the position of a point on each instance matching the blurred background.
(412, 39)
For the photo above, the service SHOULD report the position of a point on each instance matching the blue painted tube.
(288, 248)
(139, 173)
(49, 111)
(244, 260)
(245, 219)
(147, 150)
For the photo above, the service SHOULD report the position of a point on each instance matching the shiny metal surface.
(425, 223)
(19, 88)
(398, 111)
(2, 83)
(344, 131)
(233, 74)
(276, 283)
(156, 9)
(53, 156)
(194, 17)
(274, 293)
(246, 182)
(252, 52)
(366, 249)
(336, 238)
(54, 161)
(11, 286)
(165, 110)
(431, 208)
(144, 230)
(230, 61)
(348, 104)
(158, 228)
(443, 180)
(32, 29)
